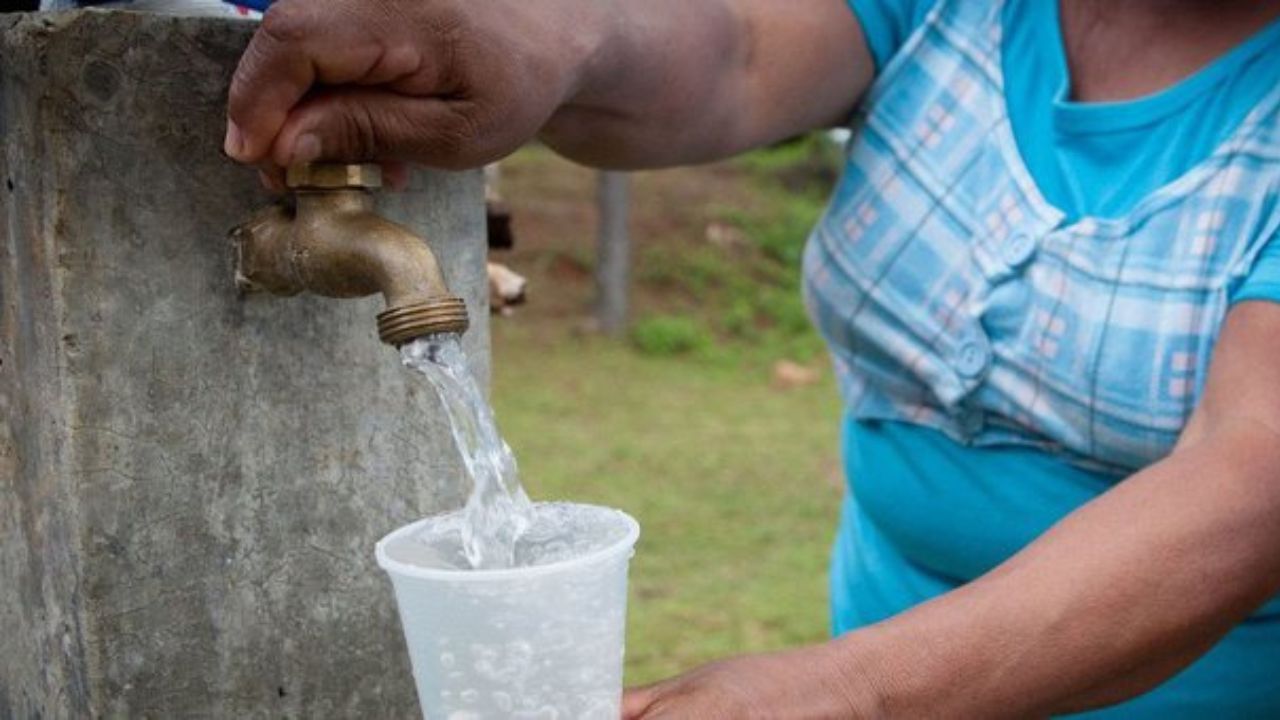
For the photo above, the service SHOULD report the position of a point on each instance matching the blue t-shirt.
(926, 513)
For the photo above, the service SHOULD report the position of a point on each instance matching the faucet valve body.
(333, 243)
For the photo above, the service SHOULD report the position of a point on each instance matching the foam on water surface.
(556, 532)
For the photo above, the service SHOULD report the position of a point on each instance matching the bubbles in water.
(544, 713)
(603, 710)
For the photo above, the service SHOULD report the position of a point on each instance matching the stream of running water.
(498, 511)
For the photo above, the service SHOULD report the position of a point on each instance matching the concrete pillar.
(191, 482)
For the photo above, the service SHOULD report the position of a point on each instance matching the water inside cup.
(543, 639)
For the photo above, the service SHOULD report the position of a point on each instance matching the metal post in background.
(613, 258)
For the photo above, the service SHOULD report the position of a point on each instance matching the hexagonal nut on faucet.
(334, 176)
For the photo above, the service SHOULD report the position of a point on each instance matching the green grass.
(735, 484)
(750, 293)
(667, 335)
(731, 480)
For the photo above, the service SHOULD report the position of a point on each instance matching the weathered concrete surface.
(191, 483)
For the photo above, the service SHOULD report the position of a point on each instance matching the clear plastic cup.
(540, 642)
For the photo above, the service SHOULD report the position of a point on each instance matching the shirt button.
(1018, 250)
(972, 358)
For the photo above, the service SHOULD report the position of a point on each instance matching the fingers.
(273, 74)
(300, 44)
(363, 124)
(272, 178)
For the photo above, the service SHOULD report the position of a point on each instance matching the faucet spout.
(332, 242)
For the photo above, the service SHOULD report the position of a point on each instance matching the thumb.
(365, 124)
(637, 701)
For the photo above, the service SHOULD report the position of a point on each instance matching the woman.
(1047, 277)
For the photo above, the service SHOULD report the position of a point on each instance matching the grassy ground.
(735, 483)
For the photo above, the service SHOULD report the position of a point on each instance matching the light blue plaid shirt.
(954, 296)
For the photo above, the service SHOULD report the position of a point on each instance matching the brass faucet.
(331, 242)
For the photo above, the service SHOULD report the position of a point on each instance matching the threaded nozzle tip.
(400, 325)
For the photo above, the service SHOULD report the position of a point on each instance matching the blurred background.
(710, 415)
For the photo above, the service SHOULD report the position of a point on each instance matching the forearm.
(673, 82)
(616, 83)
(1115, 599)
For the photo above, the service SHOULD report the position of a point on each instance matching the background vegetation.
(735, 479)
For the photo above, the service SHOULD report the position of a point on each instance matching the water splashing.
(498, 511)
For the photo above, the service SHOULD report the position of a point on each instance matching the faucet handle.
(333, 176)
